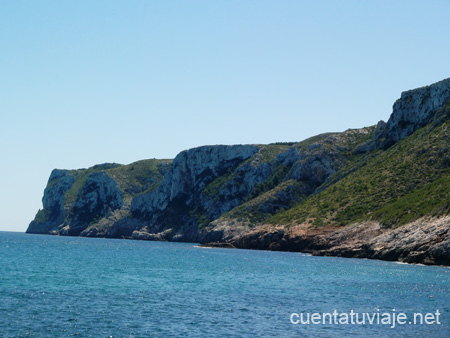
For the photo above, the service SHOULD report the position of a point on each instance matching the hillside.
(94, 198)
(375, 192)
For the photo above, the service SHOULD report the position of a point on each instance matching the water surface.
(90, 287)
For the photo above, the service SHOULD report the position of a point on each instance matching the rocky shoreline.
(376, 192)
(425, 241)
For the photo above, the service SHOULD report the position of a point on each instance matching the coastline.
(425, 241)
(377, 192)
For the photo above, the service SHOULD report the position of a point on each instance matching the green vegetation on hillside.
(42, 216)
(396, 186)
(139, 177)
(132, 179)
(269, 153)
(279, 192)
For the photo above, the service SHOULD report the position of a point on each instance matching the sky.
(88, 82)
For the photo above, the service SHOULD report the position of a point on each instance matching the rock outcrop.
(192, 171)
(88, 202)
(413, 110)
(375, 192)
(425, 241)
(193, 191)
(53, 214)
(99, 196)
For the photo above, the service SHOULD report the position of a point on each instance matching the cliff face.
(413, 110)
(191, 172)
(361, 193)
(53, 214)
(89, 201)
(99, 196)
(187, 195)
(175, 209)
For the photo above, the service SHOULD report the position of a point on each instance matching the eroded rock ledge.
(425, 241)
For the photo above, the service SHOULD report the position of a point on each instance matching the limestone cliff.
(193, 191)
(99, 197)
(191, 172)
(413, 110)
(53, 214)
(89, 201)
(375, 192)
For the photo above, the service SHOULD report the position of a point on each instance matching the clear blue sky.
(87, 82)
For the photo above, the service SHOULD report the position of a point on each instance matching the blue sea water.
(90, 287)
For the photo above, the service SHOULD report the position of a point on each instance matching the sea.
(92, 287)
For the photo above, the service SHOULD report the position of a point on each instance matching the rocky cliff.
(89, 201)
(413, 110)
(375, 192)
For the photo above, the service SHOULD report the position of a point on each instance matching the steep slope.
(376, 192)
(381, 204)
(204, 185)
(88, 201)
(403, 183)
(179, 200)
(393, 207)
(300, 173)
